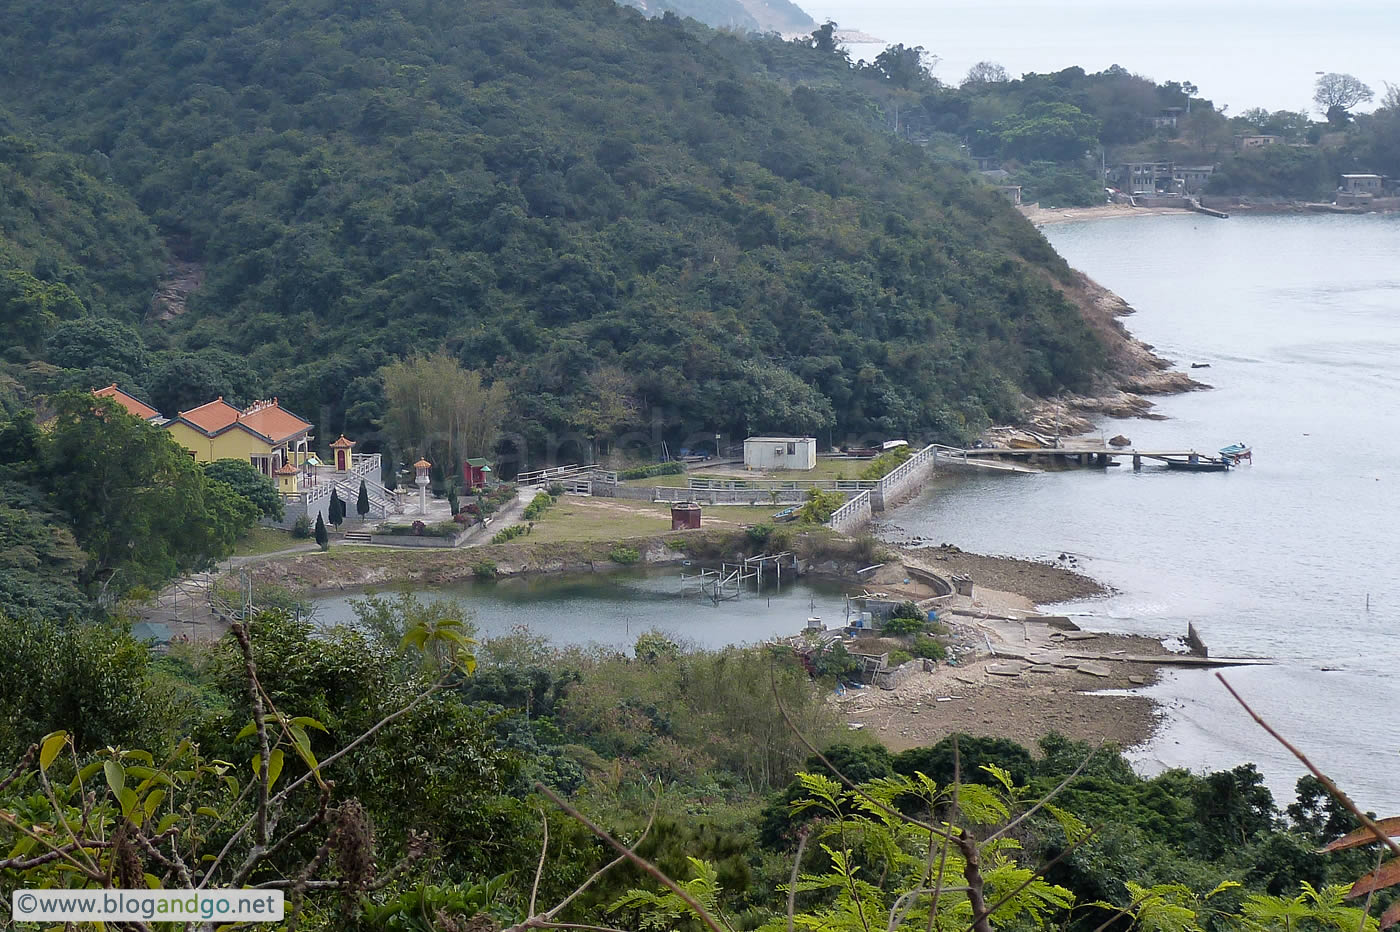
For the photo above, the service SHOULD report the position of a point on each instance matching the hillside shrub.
(509, 534)
(884, 464)
(484, 570)
(624, 555)
(900, 624)
(929, 647)
(820, 506)
(556, 489)
(301, 528)
(538, 506)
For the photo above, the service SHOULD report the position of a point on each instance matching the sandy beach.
(1043, 215)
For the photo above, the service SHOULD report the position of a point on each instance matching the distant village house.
(1167, 117)
(1012, 193)
(1251, 141)
(1359, 189)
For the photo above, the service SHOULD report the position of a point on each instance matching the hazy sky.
(1241, 53)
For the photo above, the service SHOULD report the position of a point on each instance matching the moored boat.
(1198, 464)
(1236, 452)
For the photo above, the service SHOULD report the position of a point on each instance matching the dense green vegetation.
(454, 773)
(1055, 134)
(97, 502)
(636, 225)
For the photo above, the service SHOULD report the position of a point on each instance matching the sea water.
(1292, 558)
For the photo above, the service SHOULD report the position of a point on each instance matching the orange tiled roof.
(131, 404)
(272, 421)
(213, 416)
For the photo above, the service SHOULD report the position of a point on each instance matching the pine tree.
(322, 537)
(336, 508)
(362, 503)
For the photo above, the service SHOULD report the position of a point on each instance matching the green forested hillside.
(565, 195)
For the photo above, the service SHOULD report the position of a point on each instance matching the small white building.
(780, 453)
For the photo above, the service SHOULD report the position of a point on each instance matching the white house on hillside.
(780, 453)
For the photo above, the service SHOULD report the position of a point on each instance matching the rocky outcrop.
(181, 279)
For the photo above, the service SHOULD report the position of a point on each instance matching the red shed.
(685, 516)
(475, 472)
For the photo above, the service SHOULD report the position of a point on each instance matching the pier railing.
(852, 515)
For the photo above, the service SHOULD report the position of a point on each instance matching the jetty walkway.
(1084, 454)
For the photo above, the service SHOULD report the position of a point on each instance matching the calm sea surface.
(1245, 53)
(1299, 320)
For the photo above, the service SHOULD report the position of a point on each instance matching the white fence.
(906, 476)
(852, 515)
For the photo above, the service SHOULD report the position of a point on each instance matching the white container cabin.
(780, 453)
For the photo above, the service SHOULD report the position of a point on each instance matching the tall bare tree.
(1338, 93)
(985, 72)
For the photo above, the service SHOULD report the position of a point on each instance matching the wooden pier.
(1093, 455)
(731, 580)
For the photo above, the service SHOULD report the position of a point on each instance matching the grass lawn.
(585, 519)
(260, 540)
(825, 469)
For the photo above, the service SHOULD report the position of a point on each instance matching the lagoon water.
(611, 609)
(1299, 320)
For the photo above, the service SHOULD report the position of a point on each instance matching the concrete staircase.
(355, 537)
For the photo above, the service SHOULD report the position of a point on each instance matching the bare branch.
(1122, 911)
(1035, 875)
(937, 884)
(58, 851)
(287, 790)
(1322, 778)
(972, 873)
(792, 883)
(559, 907)
(260, 727)
(23, 863)
(539, 868)
(635, 858)
(20, 768)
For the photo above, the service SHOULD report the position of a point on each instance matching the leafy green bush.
(510, 533)
(556, 489)
(655, 469)
(886, 463)
(899, 624)
(301, 528)
(759, 533)
(624, 555)
(898, 657)
(835, 661)
(820, 506)
(928, 647)
(653, 646)
(484, 570)
(538, 506)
